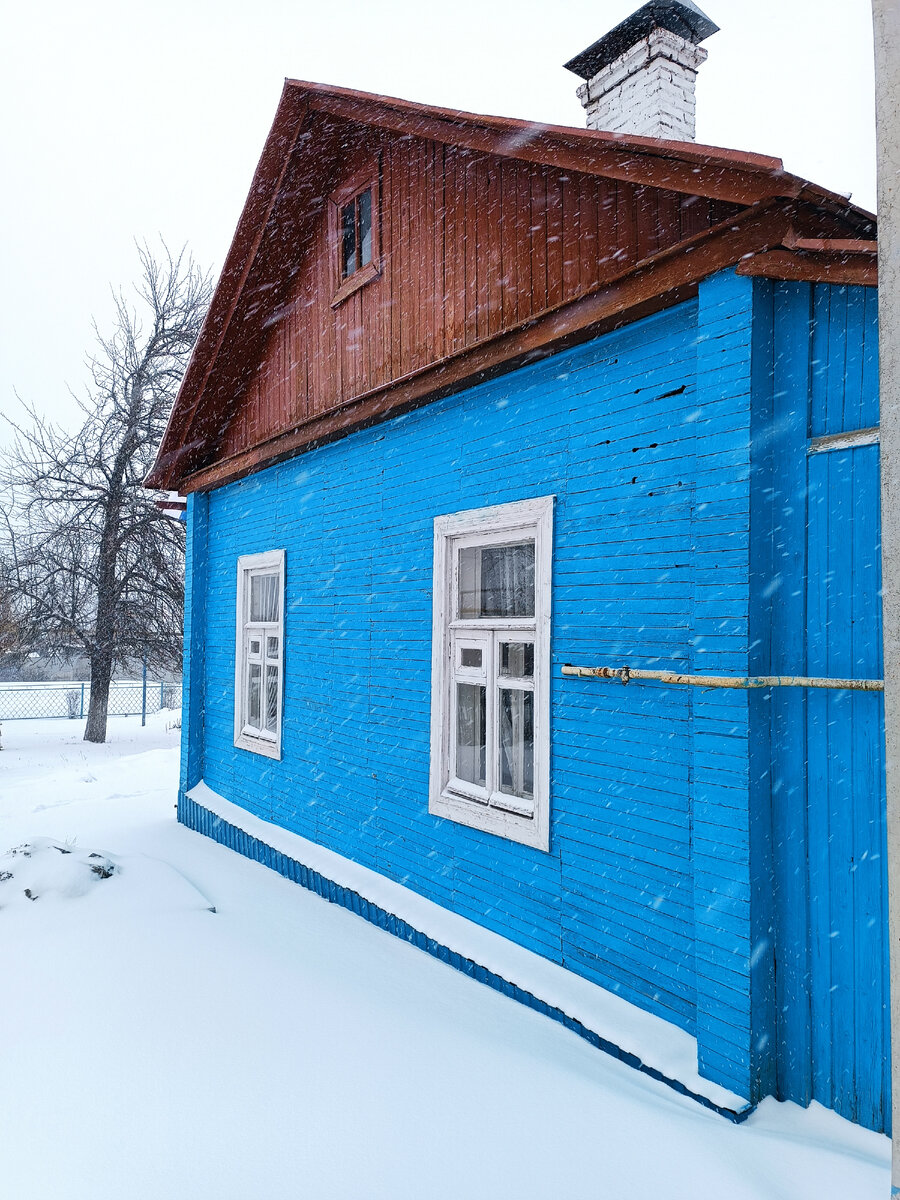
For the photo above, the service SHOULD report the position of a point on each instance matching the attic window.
(354, 230)
(356, 234)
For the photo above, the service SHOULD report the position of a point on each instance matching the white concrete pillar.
(887, 87)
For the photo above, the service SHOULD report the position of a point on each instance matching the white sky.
(125, 120)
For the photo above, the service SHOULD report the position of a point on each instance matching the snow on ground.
(281, 1046)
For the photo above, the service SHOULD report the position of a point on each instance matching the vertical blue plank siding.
(793, 364)
(847, 890)
(685, 823)
(828, 788)
(196, 558)
(731, 832)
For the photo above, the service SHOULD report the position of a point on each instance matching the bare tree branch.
(86, 558)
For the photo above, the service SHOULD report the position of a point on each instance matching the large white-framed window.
(259, 653)
(490, 680)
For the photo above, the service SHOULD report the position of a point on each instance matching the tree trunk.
(101, 674)
(103, 649)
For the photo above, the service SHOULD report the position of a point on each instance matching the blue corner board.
(200, 819)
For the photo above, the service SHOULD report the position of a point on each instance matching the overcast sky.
(126, 120)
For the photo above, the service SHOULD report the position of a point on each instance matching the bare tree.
(9, 631)
(96, 566)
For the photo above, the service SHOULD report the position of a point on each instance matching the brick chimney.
(640, 77)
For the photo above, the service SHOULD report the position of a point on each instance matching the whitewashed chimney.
(640, 77)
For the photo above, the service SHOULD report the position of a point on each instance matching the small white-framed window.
(259, 653)
(490, 682)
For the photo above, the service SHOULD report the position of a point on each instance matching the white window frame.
(258, 741)
(481, 808)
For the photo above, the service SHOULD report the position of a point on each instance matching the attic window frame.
(366, 179)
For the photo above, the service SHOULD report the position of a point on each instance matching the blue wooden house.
(477, 401)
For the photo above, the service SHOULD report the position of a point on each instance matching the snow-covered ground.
(280, 1046)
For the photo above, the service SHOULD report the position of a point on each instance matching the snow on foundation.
(659, 1045)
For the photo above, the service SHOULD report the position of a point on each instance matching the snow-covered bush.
(43, 867)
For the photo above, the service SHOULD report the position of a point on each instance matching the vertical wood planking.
(789, 724)
(870, 969)
(538, 247)
(818, 780)
(838, 555)
(471, 245)
(555, 266)
(847, 874)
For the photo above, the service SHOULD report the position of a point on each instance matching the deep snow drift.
(279, 1046)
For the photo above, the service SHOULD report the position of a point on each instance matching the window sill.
(256, 745)
(528, 831)
(354, 282)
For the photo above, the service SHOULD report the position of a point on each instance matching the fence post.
(162, 694)
(144, 691)
(81, 717)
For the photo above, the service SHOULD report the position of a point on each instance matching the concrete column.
(887, 81)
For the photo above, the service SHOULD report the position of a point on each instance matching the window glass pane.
(470, 656)
(254, 645)
(271, 698)
(469, 561)
(254, 679)
(516, 742)
(364, 203)
(470, 732)
(348, 239)
(272, 647)
(263, 597)
(517, 659)
(497, 581)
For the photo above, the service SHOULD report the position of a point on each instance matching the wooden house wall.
(607, 428)
(693, 529)
(471, 246)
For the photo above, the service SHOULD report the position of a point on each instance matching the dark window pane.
(507, 581)
(348, 239)
(364, 203)
(263, 598)
(516, 742)
(469, 599)
(253, 697)
(271, 698)
(470, 732)
(496, 581)
(470, 656)
(517, 659)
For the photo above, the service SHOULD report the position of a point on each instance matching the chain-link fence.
(23, 701)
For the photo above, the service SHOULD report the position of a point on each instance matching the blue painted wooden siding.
(196, 557)
(610, 429)
(676, 449)
(828, 786)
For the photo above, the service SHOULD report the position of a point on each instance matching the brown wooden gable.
(497, 241)
(471, 246)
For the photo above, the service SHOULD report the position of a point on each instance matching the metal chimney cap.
(679, 16)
